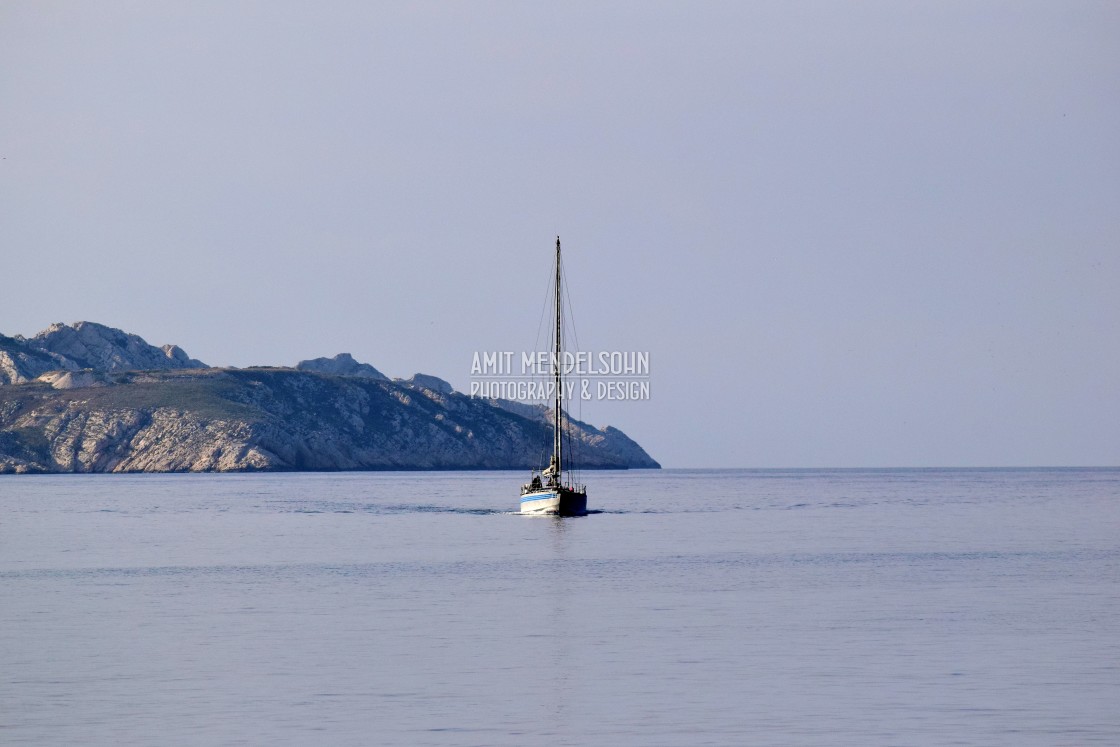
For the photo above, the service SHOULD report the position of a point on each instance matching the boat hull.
(554, 502)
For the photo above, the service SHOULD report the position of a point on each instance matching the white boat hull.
(554, 502)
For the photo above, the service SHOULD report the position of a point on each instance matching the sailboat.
(547, 492)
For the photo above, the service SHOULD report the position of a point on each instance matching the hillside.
(187, 418)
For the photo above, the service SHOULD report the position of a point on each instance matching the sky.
(848, 234)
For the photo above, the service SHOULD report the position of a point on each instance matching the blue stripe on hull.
(537, 497)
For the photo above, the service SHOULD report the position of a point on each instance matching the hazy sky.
(848, 234)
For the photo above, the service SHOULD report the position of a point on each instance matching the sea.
(691, 607)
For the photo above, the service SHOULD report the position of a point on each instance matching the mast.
(556, 440)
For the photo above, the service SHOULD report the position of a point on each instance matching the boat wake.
(384, 509)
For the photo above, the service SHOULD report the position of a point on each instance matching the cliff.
(84, 345)
(342, 364)
(178, 417)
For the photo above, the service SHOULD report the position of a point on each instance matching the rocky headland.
(90, 398)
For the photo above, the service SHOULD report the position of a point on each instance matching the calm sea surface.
(729, 607)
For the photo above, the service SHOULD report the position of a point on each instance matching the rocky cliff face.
(89, 398)
(84, 345)
(342, 364)
(274, 419)
(429, 383)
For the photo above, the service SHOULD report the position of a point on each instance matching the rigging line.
(573, 472)
(567, 435)
(545, 304)
(538, 376)
(571, 317)
(568, 298)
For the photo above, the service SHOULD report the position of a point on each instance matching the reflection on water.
(559, 593)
